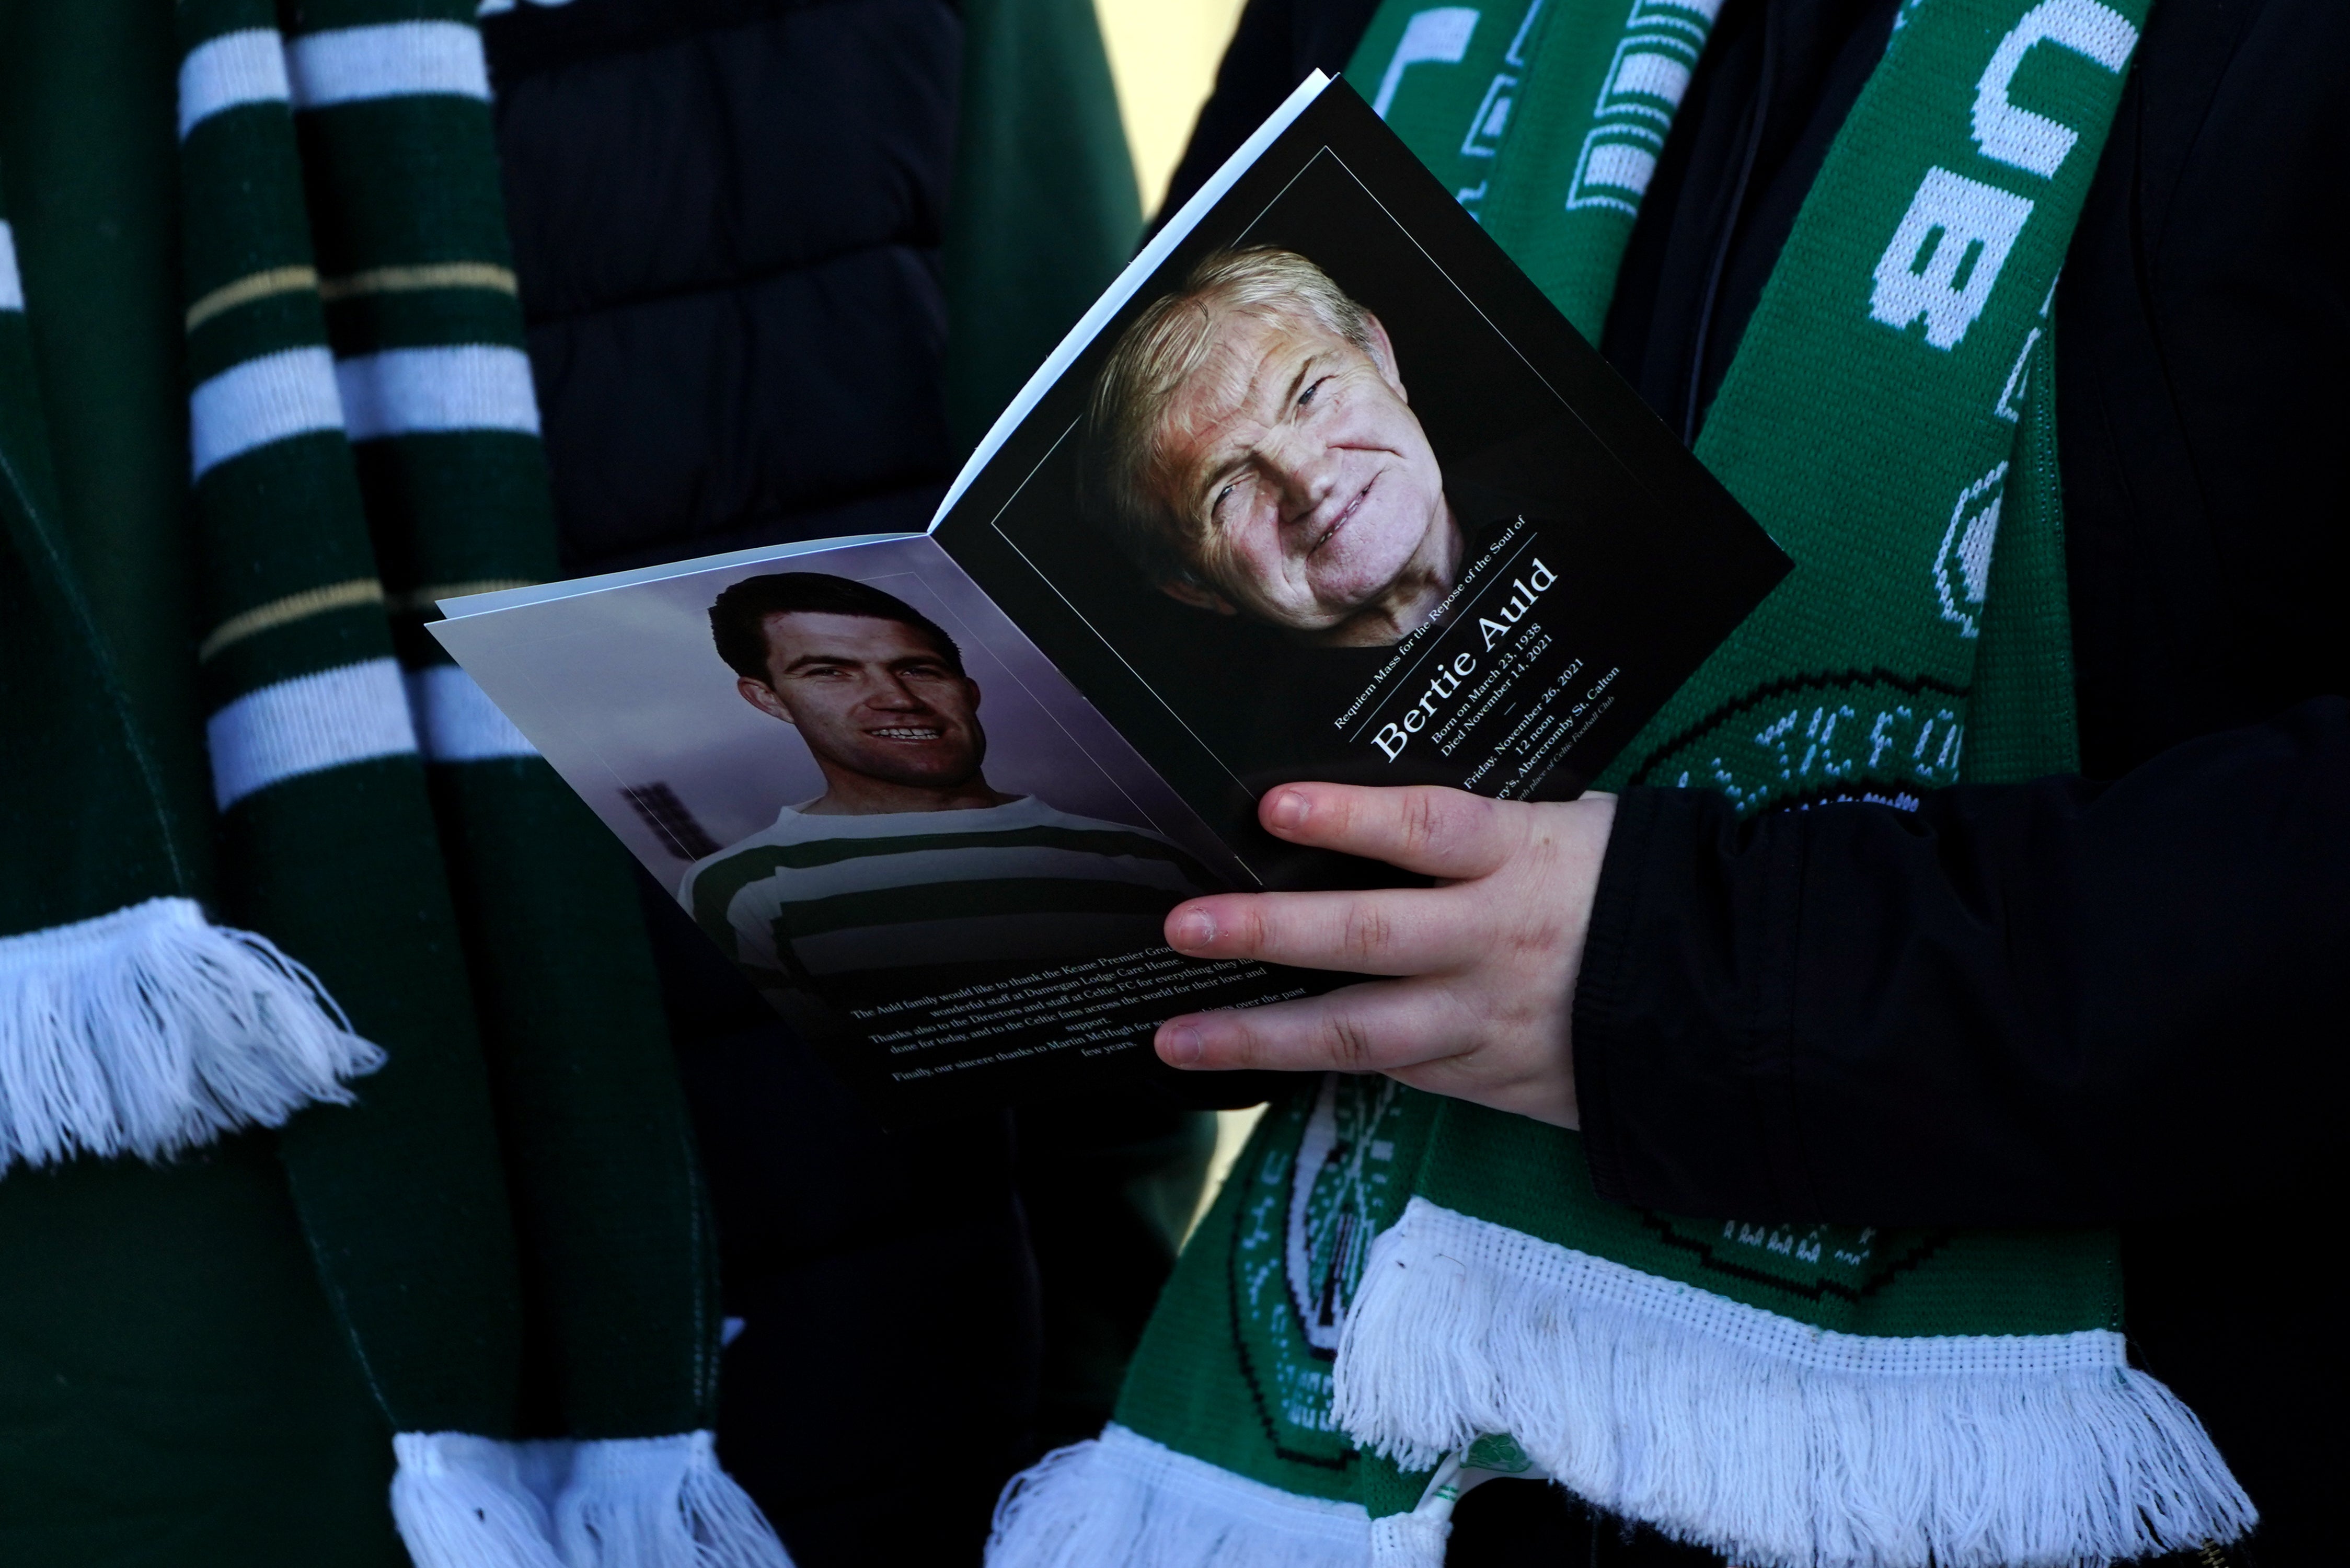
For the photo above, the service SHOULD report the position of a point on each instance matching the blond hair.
(1160, 350)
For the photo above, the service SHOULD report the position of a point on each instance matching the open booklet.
(1323, 487)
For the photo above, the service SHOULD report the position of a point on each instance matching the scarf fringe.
(151, 1031)
(659, 1502)
(1409, 1540)
(1123, 1499)
(1766, 1441)
(462, 1501)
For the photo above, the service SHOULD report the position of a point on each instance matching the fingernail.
(1179, 1046)
(1287, 811)
(1193, 929)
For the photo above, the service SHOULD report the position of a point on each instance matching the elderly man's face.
(1311, 492)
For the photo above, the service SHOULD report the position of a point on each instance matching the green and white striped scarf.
(463, 1054)
(1396, 1295)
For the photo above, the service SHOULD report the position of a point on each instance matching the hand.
(1487, 959)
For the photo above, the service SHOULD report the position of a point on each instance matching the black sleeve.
(1275, 45)
(2050, 1002)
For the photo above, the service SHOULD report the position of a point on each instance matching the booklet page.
(1334, 492)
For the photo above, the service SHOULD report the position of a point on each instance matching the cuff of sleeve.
(1600, 988)
(1679, 1080)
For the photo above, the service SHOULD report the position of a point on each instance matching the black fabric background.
(727, 218)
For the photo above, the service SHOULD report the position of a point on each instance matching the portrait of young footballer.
(882, 804)
(909, 858)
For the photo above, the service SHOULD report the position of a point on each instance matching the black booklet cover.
(1323, 488)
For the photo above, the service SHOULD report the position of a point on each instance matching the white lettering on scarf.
(1945, 255)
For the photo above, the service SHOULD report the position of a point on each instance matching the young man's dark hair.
(738, 618)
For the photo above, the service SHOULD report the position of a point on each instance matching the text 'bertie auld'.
(1493, 626)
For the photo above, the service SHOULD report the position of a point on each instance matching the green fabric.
(202, 1362)
(1511, 127)
(1043, 210)
(431, 1302)
(1896, 1284)
(1880, 450)
(405, 211)
(82, 826)
(1226, 1371)
(174, 1392)
(85, 124)
(173, 1388)
(621, 1266)
(85, 824)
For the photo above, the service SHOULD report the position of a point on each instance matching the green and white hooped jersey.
(817, 898)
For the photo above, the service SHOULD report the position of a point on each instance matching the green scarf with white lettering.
(1397, 1296)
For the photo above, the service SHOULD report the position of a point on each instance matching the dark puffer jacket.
(727, 217)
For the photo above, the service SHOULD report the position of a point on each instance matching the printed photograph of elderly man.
(910, 859)
(1251, 446)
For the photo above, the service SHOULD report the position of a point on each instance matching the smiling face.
(877, 704)
(1307, 491)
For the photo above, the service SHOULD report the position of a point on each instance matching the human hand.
(1485, 961)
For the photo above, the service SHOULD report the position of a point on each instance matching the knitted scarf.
(463, 1055)
(1397, 1296)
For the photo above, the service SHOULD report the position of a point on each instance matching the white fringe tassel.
(1775, 1444)
(151, 1031)
(1124, 1501)
(1409, 1540)
(659, 1502)
(462, 1501)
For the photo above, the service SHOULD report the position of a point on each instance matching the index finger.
(1424, 828)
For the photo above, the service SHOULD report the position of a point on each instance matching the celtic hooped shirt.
(826, 898)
